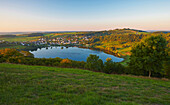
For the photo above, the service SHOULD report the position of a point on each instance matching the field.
(22, 84)
(18, 47)
(3, 46)
(19, 38)
(34, 38)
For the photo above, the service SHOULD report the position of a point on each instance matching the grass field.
(19, 38)
(23, 85)
(63, 34)
(3, 46)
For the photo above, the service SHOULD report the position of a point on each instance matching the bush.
(109, 66)
(78, 64)
(66, 63)
(2, 59)
(120, 69)
(113, 67)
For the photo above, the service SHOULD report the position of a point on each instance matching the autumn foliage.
(66, 61)
(10, 53)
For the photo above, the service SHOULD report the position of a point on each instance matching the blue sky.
(82, 15)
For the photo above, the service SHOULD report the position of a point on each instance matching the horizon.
(74, 15)
(81, 31)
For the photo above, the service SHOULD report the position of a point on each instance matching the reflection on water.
(74, 53)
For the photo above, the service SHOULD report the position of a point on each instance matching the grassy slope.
(22, 84)
(4, 46)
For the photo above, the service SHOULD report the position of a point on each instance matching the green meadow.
(24, 85)
(19, 38)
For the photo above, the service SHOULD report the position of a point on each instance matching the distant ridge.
(134, 30)
(18, 33)
(127, 29)
(14, 33)
(124, 29)
(164, 31)
(161, 32)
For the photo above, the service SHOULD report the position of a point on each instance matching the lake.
(73, 53)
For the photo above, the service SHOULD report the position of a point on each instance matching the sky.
(83, 15)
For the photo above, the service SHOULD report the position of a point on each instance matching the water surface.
(74, 53)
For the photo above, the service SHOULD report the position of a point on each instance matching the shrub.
(66, 63)
(120, 69)
(2, 59)
(113, 67)
(78, 64)
(109, 66)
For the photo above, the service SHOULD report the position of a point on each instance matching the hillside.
(22, 84)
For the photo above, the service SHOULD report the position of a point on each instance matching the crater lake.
(73, 53)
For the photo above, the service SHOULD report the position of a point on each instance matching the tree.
(167, 64)
(167, 67)
(94, 63)
(109, 66)
(148, 56)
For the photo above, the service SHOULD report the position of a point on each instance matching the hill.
(22, 84)
(162, 32)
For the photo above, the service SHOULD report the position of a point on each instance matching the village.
(73, 40)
